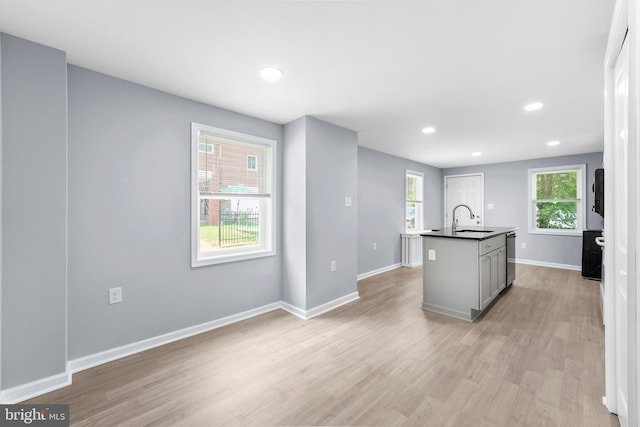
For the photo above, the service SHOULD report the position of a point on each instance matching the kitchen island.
(463, 270)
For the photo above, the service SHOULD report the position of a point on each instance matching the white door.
(621, 194)
(468, 190)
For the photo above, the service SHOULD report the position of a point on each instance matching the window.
(413, 201)
(252, 163)
(233, 211)
(205, 147)
(557, 200)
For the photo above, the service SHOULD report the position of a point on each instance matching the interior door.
(468, 190)
(621, 192)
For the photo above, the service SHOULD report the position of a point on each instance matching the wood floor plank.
(535, 358)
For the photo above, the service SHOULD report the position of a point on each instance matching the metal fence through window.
(239, 228)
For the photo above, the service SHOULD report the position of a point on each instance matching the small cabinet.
(485, 281)
(502, 268)
(493, 273)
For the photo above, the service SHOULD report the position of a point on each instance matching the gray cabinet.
(485, 280)
(502, 268)
(493, 275)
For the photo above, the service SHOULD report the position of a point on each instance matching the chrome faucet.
(454, 224)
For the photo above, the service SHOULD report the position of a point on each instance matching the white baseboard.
(292, 309)
(46, 385)
(379, 271)
(548, 264)
(27, 391)
(96, 359)
(331, 305)
(323, 308)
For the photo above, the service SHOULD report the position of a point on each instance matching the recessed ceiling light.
(428, 130)
(270, 74)
(552, 143)
(533, 106)
(476, 154)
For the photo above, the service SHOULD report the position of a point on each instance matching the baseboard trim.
(332, 305)
(27, 391)
(379, 271)
(548, 264)
(86, 362)
(292, 309)
(321, 309)
(36, 388)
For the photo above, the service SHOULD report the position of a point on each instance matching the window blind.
(225, 170)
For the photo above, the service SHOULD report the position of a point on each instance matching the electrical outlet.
(432, 254)
(524, 245)
(115, 295)
(334, 266)
(348, 202)
(375, 246)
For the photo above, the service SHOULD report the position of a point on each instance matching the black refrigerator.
(591, 255)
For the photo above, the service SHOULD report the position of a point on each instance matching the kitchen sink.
(474, 231)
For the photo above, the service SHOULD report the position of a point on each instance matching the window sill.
(222, 259)
(569, 233)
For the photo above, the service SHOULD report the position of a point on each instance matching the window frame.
(420, 213)
(581, 200)
(268, 230)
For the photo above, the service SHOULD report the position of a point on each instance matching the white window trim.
(420, 227)
(268, 248)
(581, 208)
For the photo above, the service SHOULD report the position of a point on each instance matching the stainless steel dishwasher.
(511, 257)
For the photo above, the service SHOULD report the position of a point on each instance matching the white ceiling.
(385, 68)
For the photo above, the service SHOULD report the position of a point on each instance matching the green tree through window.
(557, 198)
(551, 189)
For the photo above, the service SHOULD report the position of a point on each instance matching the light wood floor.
(535, 358)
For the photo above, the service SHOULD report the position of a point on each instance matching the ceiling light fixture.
(534, 106)
(553, 143)
(476, 154)
(428, 130)
(271, 74)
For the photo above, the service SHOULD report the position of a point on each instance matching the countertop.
(480, 233)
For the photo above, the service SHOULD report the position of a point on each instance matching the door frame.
(444, 192)
(625, 23)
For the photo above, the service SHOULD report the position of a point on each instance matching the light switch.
(347, 202)
(115, 295)
(432, 254)
(490, 206)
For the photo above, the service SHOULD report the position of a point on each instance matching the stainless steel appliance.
(511, 257)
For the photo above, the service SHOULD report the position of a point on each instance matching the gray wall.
(129, 217)
(294, 233)
(381, 204)
(320, 170)
(34, 209)
(332, 164)
(506, 186)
